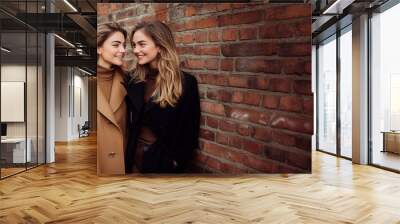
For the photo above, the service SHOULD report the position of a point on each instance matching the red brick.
(283, 138)
(258, 65)
(195, 64)
(249, 49)
(185, 50)
(116, 7)
(240, 18)
(223, 6)
(307, 68)
(221, 95)
(222, 138)
(246, 98)
(212, 94)
(207, 134)
(294, 67)
(202, 121)
(103, 9)
(248, 34)
(241, 81)
(211, 122)
(177, 26)
(287, 169)
(212, 108)
(206, 50)
(212, 63)
(274, 153)
(286, 30)
(293, 123)
(225, 125)
(302, 87)
(280, 85)
(245, 130)
(262, 83)
(303, 143)
(271, 101)
(262, 134)
(226, 64)
(291, 103)
(299, 160)
(308, 106)
(247, 115)
(231, 168)
(214, 36)
(206, 23)
(190, 11)
(162, 16)
(229, 34)
(288, 11)
(220, 80)
(261, 165)
(201, 36)
(235, 141)
(187, 38)
(294, 49)
(125, 14)
(160, 7)
(252, 146)
(224, 152)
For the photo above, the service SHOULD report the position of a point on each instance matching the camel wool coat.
(111, 135)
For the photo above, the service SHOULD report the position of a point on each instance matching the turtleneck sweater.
(105, 80)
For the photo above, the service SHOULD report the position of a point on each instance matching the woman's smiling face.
(113, 50)
(144, 48)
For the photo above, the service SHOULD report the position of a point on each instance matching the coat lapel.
(104, 107)
(118, 92)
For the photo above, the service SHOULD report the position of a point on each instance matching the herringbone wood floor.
(70, 192)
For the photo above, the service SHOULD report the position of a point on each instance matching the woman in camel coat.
(111, 106)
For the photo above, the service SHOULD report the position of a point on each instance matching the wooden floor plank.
(69, 191)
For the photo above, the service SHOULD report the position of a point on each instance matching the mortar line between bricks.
(251, 155)
(289, 132)
(248, 74)
(259, 57)
(255, 91)
(286, 148)
(264, 75)
(238, 165)
(263, 109)
(261, 126)
(270, 143)
(288, 40)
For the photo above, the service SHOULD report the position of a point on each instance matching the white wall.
(71, 93)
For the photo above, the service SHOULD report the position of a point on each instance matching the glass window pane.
(13, 86)
(327, 96)
(346, 94)
(385, 80)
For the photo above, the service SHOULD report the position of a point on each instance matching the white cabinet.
(17, 147)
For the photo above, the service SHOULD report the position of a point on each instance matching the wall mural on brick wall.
(245, 66)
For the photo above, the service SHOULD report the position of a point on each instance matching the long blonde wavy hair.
(169, 81)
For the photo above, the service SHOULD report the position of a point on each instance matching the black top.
(175, 128)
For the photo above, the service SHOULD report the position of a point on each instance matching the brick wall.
(253, 64)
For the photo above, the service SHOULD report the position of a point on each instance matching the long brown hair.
(104, 31)
(169, 81)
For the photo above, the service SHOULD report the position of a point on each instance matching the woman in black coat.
(163, 102)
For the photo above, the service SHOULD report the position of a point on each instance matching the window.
(327, 95)
(385, 89)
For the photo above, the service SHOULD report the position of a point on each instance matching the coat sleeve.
(188, 124)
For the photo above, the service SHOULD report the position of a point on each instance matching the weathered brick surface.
(253, 65)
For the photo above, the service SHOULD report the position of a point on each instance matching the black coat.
(176, 129)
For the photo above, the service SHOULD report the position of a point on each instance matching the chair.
(84, 130)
